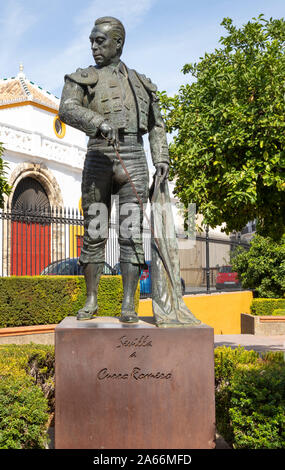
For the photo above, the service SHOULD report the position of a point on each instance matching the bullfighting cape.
(168, 306)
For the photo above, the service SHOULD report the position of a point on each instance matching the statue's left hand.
(162, 170)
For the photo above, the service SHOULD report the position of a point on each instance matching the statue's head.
(107, 40)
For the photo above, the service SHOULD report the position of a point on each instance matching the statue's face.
(105, 49)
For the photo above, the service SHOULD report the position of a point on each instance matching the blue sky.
(50, 37)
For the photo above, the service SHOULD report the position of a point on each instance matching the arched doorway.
(30, 228)
(30, 194)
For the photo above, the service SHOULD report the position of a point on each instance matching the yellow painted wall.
(74, 231)
(221, 311)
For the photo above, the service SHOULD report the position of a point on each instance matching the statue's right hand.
(110, 133)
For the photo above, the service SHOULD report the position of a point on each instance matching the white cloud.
(77, 53)
(15, 20)
(161, 57)
(130, 12)
(14, 23)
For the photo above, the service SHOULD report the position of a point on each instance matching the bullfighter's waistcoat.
(106, 95)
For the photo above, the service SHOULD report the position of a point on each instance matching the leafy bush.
(26, 391)
(41, 300)
(266, 306)
(41, 366)
(227, 360)
(23, 414)
(15, 359)
(262, 267)
(250, 398)
(279, 311)
(257, 407)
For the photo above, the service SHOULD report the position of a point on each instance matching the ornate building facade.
(38, 146)
(44, 160)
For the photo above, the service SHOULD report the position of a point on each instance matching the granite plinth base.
(133, 386)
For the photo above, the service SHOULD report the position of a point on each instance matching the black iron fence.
(207, 266)
(43, 241)
(35, 239)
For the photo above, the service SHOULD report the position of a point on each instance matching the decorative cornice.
(38, 145)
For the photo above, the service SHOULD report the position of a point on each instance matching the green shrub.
(257, 407)
(26, 390)
(15, 359)
(41, 366)
(279, 311)
(38, 300)
(23, 414)
(250, 398)
(266, 306)
(227, 360)
(262, 267)
(34, 360)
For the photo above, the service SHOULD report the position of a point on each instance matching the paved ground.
(258, 343)
(213, 290)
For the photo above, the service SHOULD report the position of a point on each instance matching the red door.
(30, 229)
(79, 243)
(30, 248)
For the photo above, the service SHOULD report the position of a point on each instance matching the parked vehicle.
(145, 279)
(226, 278)
(71, 267)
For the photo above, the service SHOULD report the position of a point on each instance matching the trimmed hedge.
(250, 398)
(279, 311)
(266, 306)
(26, 388)
(41, 300)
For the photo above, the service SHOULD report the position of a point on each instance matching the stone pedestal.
(133, 386)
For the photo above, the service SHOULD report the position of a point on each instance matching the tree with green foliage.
(228, 127)
(4, 186)
(262, 267)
